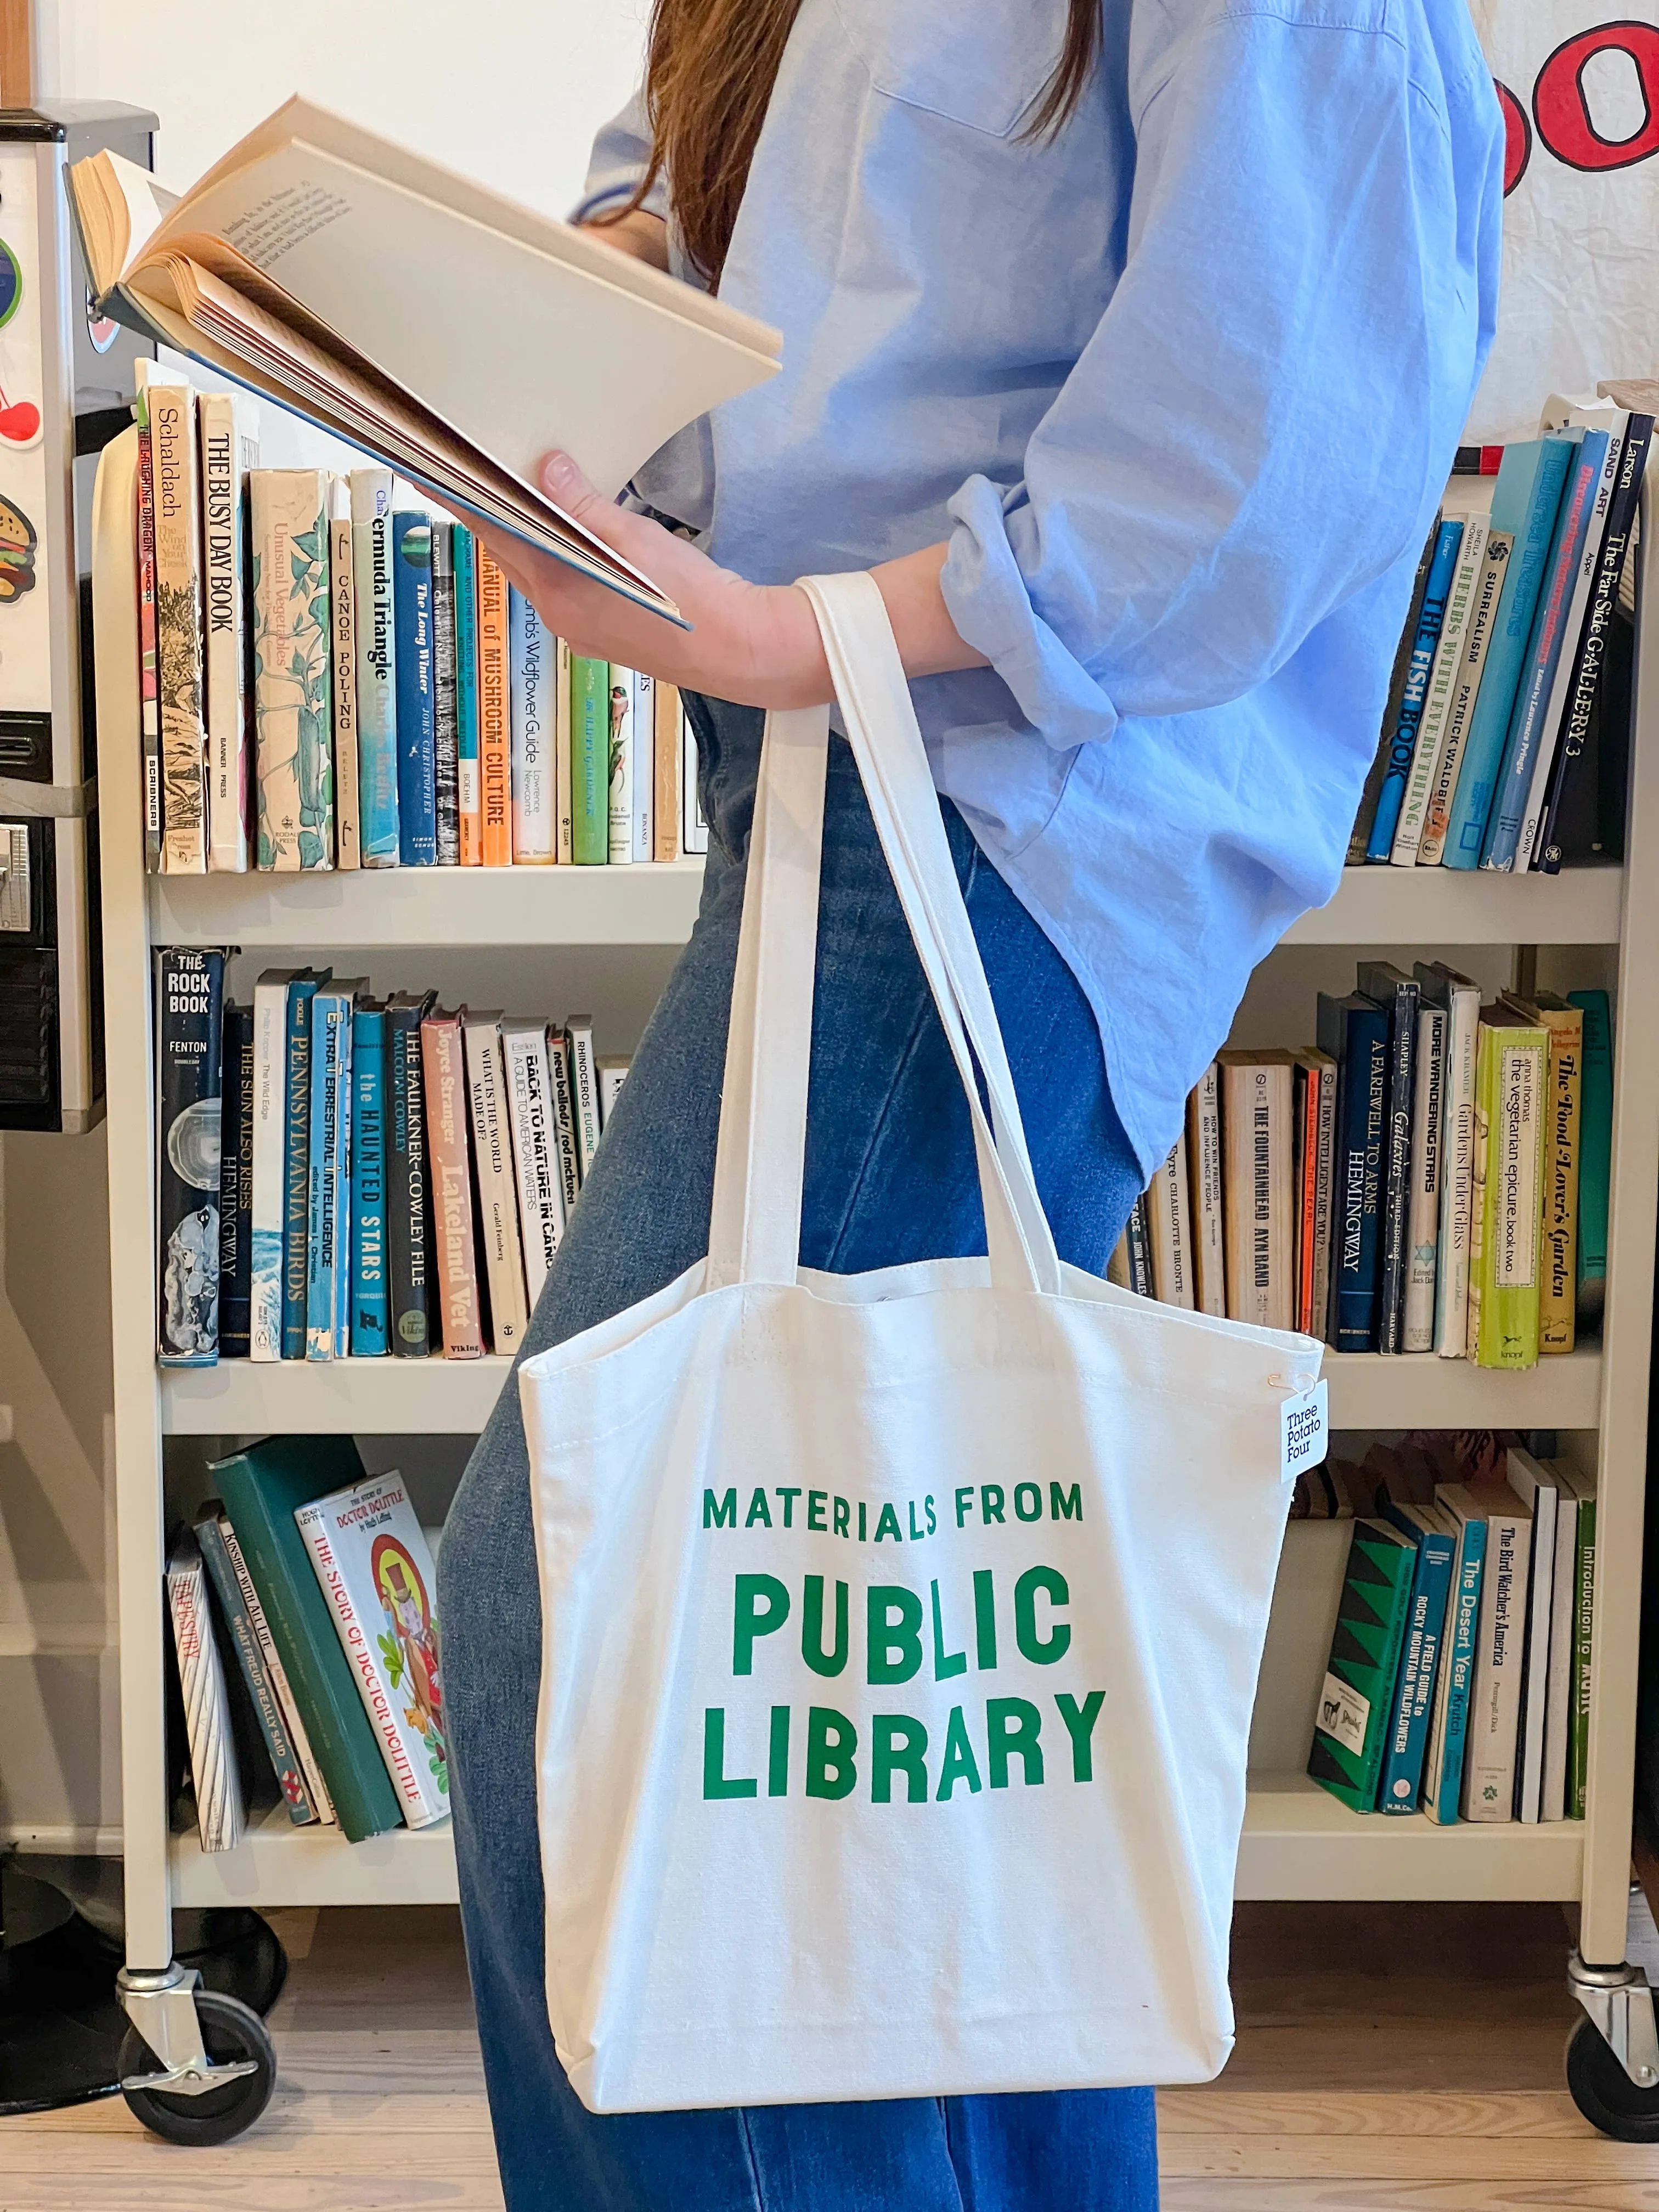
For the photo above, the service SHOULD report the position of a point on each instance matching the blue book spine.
(371, 1303)
(466, 684)
(377, 667)
(1408, 1738)
(1528, 506)
(1403, 743)
(327, 1270)
(296, 1175)
(1463, 1621)
(1361, 1052)
(417, 766)
(1543, 652)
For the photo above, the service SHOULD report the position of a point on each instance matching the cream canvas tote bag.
(902, 1630)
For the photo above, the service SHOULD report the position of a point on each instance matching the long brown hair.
(710, 67)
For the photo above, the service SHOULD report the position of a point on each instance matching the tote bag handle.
(755, 1227)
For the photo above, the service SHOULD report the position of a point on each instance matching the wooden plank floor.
(1390, 2059)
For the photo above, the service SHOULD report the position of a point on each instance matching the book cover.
(1544, 645)
(1495, 1692)
(371, 1296)
(1509, 1145)
(1562, 1082)
(445, 717)
(171, 409)
(1257, 1199)
(1564, 1599)
(566, 1139)
(1459, 999)
(1397, 993)
(584, 1088)
(261, 1488)
(1138, 1233)
(220, 1814)
(408, 1192)
(694, 828)
(1359, 836)
(342, 626)
(1402, 743)
(316, 1789)
(613, 1073)
(643, 725)
(189, 1038)
(1584, 1632)
(228, 430)
(1353, 1031)
(1525, 501)
(1203, 1177)
(328, 1230)
(1167, 1215)
(1594, 1150)
(535, 821)
(1320, 1073)
(375, 1572)
(590, 760)
(449, 1164)
(411, 607)
(1430, 1532)
(561, 743)
(468, 798)
(498, 1204)
(296, 1171)
(1304, 1183)
(273, 1725)
(1355, 1705)
(380, 836)
(235, 1181)
(293, 662)
(1535, 1484)
(495, 711)
(270, 1202)
(1423, 1224)
(665, 759)
(150, 701)
(1442, 1778)
(1466, 690)
(535, 1148)
(1442, 690)
(620, 766)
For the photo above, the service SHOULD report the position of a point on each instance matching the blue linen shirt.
(1180, 386)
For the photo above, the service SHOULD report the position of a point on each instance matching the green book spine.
(590, 759)
(1594, 1150)
(1356, 1704)
(1583, 1622)
(1510, 1114)
(261, 1488)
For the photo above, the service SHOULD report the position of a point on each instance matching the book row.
(1430, 1176)
(330, 681)
(342, 1175)
(306, 1635)
(1460, 1673)
(1503, 652)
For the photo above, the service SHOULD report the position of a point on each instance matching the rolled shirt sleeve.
(621, 155)
(1275, 389)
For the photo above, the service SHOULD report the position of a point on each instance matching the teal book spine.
(1408, 1740)
(590, 759)
(418, 764)
(469, 798)
(1525, 500)
(327, 1281)
(1462, 1622)
(296, 1173)
(377, 667)
(371, 1303)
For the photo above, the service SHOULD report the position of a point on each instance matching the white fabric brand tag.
(1304, 1428)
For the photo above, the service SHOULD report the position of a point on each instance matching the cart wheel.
(1604, 2093)
(230, 2031)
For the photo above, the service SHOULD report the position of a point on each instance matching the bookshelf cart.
(1593, 924)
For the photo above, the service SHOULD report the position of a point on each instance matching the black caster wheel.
(230, 2031)
(1604, 2093)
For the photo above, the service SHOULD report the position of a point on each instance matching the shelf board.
(1297, 1842)
(372, 910)
(413, 1397)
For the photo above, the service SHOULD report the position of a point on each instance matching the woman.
(1128, 346)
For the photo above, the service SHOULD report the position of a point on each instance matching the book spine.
(1441, 688)
(149, 697)
(694, 829)
(1557, 1720)
(411, 599)
(408, 1192)
(293, 655)
(262, 1690)
(1167, 1210)
(468, 798)
(1260, 1251)
(584, 1089)
(1535, 1657)
(316, 1788)
(1395, 1203)
(348, 773)
(1359, 836)
(1447, 1744)
(1509, 1286)
(227, 452)
(643, 726)
(235, 1182)
(445, 715)
(620, 766)
(451, 1188)
(1595, 1149)
(562, 752)
(665, 756)
(1359, 1153)
(296, 1210)
(565, 1138)
(1137, 1230)
(1466, 690)
(1402, 745)
(189, 1033)
(1204, 1184)
(371, 1301)
(590, 759)
(535, 823)
(498, 1204)
(179, 630)
(1582, 1650)
(1355, 1703)
(535, 1153)
(1495, 1699)
(327, 1235)
(1558, 1288)
(1423, 1228)
(269, 1196)
(1399, 1789)
(494, 714)
(378, 833)
(1305, 1187)
(219, 1812)
(1324, 1201)
(1451, 1288)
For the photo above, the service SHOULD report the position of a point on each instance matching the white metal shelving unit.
(1299, 1842)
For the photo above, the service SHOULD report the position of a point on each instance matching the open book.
(452, 333)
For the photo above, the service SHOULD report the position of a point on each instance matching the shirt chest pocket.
(981, 62)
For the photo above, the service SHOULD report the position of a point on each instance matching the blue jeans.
(890, 1177)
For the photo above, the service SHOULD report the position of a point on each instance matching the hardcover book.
(328, 1237)
(1402, 745)
(411, 601)
(1510, 1121)
(316, 1788)
(409, 1197)
(1563, 1080)
(1167, 1217)
(1442, 1777)
(296, 1208)
(270, 1140)
(446, 725)
(1256, 1105)
(1354, 1033)
(590, 760)
(1355, 1705)
(1315, 1142)
(371, 1297)
(1594, 1150)
(293, 663)
(535, 1148)
(171, 410)
(535, 820)
(220, 1814)
(468, 798)
(236, 1182)
(1445, 691)
(495, 711)
(1495, 1695)
(273, 1725)
(1396, 992)
(228, 423)
(450, 1166)
(1423, 1222)
(1459, 999)
(342, 626)
(379, 836)
(498, 1205)
(1203, 1177)
(188, 1037)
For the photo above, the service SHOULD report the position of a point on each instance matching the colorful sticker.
(102, 330)
(19, 422)
(11, 283)
(17, 544)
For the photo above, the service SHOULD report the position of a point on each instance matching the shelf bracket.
(162, 2008)
(1620, 2003)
